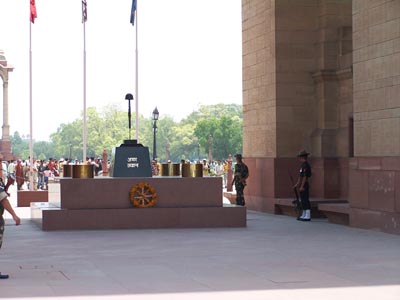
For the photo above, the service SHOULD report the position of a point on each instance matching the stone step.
(337, 213)
(284, 206)
(50, 217)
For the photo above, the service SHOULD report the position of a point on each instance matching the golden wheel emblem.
(143, 195)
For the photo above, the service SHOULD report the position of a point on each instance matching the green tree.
(20, 147)
(68, 137)
(43, 150)
(215, 112)
(108, 127)
(227, 137)
(226, 134)
(185, 144)
(105, 130)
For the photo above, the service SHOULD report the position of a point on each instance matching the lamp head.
(155, 114)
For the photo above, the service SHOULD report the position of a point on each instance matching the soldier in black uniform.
(304, 186)
(240, 176)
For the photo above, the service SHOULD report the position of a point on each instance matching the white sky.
(189, 54)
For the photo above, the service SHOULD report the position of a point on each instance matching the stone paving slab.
(275, 257)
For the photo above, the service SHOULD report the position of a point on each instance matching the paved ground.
(275, 257)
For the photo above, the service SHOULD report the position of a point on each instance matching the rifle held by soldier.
(296, 202)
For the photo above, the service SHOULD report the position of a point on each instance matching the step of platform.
(284, 206)
(49, 217)
(337, 213)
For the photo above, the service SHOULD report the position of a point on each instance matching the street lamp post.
(155, 119)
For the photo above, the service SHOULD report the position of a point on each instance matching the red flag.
(33, 11)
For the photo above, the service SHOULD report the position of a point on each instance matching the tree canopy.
(217, 126)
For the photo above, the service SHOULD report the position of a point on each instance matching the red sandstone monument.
(324, 76)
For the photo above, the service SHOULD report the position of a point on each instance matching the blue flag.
(133, 11)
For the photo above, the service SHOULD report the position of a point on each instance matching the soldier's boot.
(302, 216)
(307, 216)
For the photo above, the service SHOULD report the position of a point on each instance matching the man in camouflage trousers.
(240, 175)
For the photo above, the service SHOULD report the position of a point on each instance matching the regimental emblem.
(143, 195)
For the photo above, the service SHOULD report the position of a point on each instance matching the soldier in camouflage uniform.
(5, 204)
(240, 176)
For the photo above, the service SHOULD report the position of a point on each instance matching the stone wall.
(374, 193)
(325, 76)
(297, 77)
(297, 93)
(259, 96)
(376, 42)
(374, 178)
(296, 25)
(333, 80)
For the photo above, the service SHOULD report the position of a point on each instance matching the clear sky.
(189, 54)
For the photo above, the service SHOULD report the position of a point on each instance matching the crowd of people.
(18, 171)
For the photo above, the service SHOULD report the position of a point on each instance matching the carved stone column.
(6, 126)
(5, 143)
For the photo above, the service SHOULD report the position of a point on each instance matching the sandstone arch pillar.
(5, 142)
(6, 126)
(294, 96)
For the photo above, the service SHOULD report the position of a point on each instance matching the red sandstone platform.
(114, 192)
(25, 198)
(103, 203)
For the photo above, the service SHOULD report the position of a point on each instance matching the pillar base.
(5, 149)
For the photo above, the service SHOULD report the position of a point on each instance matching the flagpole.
(84, 92)
(30, 111)
(137, 76)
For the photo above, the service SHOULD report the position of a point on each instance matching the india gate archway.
(5, 142)
(324, 76)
